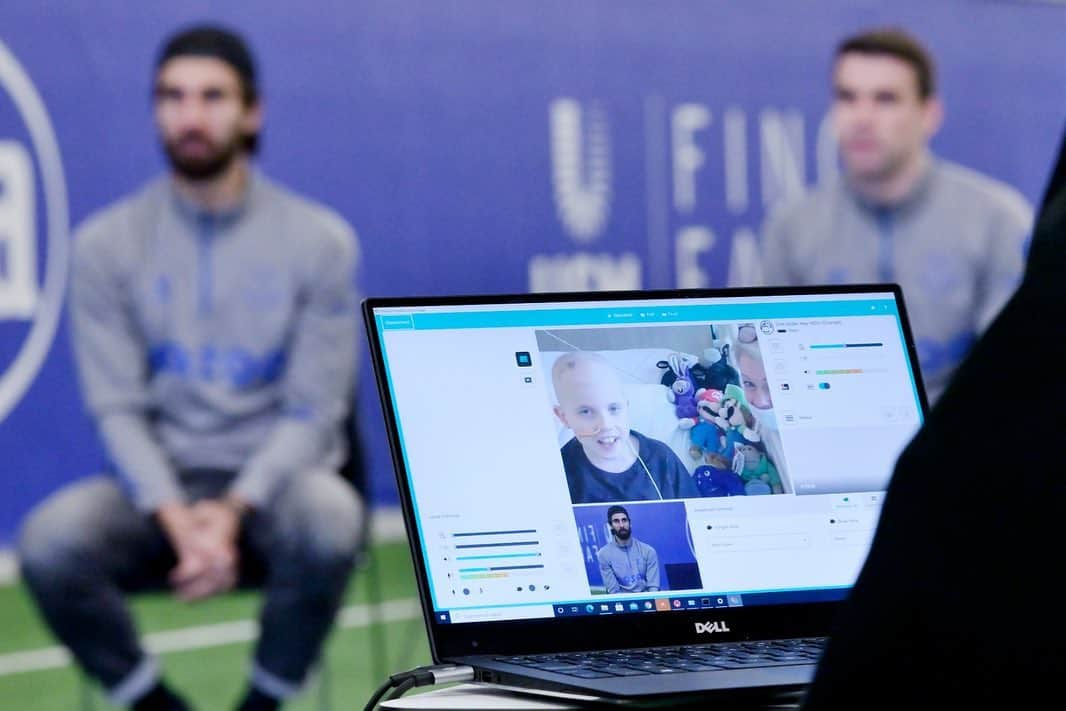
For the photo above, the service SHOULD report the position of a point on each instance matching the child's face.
(593, 404)
(756, 387)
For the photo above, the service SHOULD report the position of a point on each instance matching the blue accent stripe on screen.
(517, 318)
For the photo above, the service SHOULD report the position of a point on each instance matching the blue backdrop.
(475, 146)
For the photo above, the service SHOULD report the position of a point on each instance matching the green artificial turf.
(212, 678)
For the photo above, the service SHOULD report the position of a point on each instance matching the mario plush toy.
(707, 435)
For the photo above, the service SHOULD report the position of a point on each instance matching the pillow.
(634, 365)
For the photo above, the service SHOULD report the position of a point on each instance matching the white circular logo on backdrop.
(21, 296)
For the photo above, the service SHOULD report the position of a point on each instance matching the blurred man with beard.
(954, 240)
(213, 317)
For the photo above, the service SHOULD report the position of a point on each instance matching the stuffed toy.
(709, 407)
(672, 367)
(734, 441)
(711, 370)
(757, 467)
(714, 480)
(707, 435)
(735, 411)
(757, 487)
(714, 371)
(683, 394)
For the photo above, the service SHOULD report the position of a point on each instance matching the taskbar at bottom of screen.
(633, 605)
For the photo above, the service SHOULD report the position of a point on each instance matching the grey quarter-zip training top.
(215, 340)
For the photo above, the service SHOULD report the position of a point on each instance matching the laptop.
(640, 496)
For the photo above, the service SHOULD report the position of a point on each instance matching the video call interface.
(604, 458)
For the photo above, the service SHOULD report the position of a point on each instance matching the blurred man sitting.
(214, 324)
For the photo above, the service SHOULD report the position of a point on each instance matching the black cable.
(419, 676)
(381, 691)
(402, 688)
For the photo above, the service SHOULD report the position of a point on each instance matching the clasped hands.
(204, 538)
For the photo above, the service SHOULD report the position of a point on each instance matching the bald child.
(606, 460)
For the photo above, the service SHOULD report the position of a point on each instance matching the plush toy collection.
(712, 370)
(721, 428)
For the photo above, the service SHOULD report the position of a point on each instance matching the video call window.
(663, 412)
(637, 548)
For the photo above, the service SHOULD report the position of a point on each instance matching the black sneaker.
(256, 700)
(160, 698)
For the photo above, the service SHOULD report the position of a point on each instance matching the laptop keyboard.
(672, 660)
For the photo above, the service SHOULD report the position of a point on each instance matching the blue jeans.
(85, 546)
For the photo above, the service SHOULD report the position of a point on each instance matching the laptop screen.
(644, 454)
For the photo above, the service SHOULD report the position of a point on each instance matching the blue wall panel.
(501, 147)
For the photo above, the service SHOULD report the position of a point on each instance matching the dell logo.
(711, 627)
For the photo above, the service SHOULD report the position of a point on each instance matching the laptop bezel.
(643, 629)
